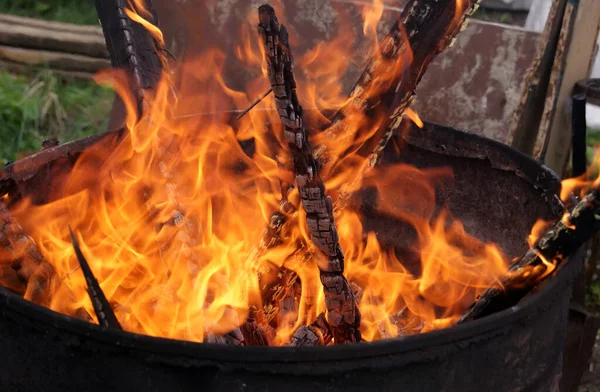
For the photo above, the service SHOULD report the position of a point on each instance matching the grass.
(43, 105)
(46, 106)
(593, 298)
(70, 11)
(493, 16)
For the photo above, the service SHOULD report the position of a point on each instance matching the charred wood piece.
(286, 298)
(104, 313)
(424, 29)
(343, 312)
(18, 249)
(254, 334)
(558, 243)
(316, 334)
(232, 338)
(229, 339)
(131, 47)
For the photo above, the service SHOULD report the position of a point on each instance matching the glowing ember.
(170, 221)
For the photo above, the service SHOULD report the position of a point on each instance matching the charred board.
(130, 46)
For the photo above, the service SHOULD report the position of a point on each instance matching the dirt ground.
(591, 379)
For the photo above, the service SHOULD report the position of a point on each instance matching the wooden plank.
(554, 85)
(476, 84)
(54, 60)
(34, 37)
(31, 70)
(527, 115)
(50, 25)
(554, 146)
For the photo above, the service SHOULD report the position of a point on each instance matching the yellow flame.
(154, 31)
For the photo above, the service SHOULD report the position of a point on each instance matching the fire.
(570, 187)
(372, 15)
(154, 31)
(170, 219)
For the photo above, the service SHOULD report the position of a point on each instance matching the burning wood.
(234, 338)
(430, 27)
(137, 49)
(558, 243)
(317, 334)
(254, 334)
(342, 309)
(104, 313)
(386, 88)
(18, 249)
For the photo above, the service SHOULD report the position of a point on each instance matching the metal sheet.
(476, 85)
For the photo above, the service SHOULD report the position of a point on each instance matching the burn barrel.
(497, 192)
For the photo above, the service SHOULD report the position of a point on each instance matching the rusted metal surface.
(579, 345)
(476, 85)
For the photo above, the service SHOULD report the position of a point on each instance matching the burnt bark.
(558, 243)
(343, 312)
(131, 47)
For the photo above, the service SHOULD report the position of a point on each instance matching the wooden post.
(527, 115)
(578, 36)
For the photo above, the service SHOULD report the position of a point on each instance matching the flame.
(371, 16)
(140, 14)
(170, 217)
(414, 117)
(538, 229)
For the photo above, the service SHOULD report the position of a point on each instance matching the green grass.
(593, 288)
(593, 298)
(41, 106)
(45, 106)
(71, 11)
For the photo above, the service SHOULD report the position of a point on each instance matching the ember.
(171, 223)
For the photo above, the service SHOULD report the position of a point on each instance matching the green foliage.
(43, 106)
(506, 18)
(593, 297)
(71, 11)
(46, 106)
